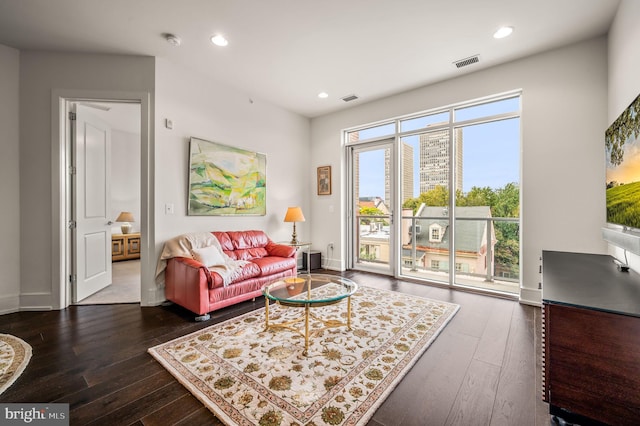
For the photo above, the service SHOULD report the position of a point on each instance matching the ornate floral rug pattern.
(248, 376)
(15, 354)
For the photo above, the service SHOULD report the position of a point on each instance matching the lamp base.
(126, 228)
(294, 236)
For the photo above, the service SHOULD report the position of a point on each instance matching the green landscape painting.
(623, 168)
(224, 180)
(623, 205)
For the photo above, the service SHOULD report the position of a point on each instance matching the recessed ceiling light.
(173, 39)
(219, 40)
(323, 95)
(503, 32)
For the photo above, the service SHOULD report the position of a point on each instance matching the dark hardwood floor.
(483, 369)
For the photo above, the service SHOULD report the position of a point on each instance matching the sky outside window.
(491, 151)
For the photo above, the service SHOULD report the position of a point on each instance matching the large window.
(456, 176)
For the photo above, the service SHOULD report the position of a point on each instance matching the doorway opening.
(61, 253)
(103, 201)
(371, 232)
(123, 253)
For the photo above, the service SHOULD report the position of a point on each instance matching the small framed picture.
(324, 180)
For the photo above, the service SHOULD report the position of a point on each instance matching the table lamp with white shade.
(125, 218)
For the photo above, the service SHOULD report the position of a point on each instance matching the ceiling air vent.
(350, 98)
(467, 61)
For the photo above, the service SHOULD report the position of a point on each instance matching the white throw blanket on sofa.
(182, 245)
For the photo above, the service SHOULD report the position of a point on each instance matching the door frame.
(60, 194)
(353, 227)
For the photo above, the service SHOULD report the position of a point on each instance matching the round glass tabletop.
(310, 289)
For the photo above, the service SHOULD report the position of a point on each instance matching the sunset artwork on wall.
(623, 168)
(224, 180)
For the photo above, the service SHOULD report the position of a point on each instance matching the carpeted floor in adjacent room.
(125, 287)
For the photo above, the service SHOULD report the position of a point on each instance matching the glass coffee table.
(309, 291)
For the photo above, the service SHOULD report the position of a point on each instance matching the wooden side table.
(125, 246)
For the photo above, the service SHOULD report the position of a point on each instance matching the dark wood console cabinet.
(590, 339)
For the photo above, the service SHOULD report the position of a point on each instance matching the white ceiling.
(287, 51)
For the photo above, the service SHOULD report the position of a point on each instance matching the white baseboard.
(36, 302)
(153, 297)
(332, 264)
(9, 304)
(334, 269)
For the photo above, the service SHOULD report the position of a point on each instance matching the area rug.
(15, 354)
(248, 376)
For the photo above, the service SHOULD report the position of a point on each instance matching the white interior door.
(91, 206)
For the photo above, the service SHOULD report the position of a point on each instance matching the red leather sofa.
(201, 290)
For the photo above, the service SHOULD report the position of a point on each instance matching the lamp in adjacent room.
(294, 214)
(125, 218)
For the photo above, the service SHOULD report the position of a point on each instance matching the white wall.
(624, 84)
(42, 73)
(124, 120)
(198, 106)
(624, 58)
(564, 94)
(10, 178)
(125, 176)
(203, 108)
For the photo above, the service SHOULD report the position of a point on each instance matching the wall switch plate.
(168, 209)
(168, 123)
